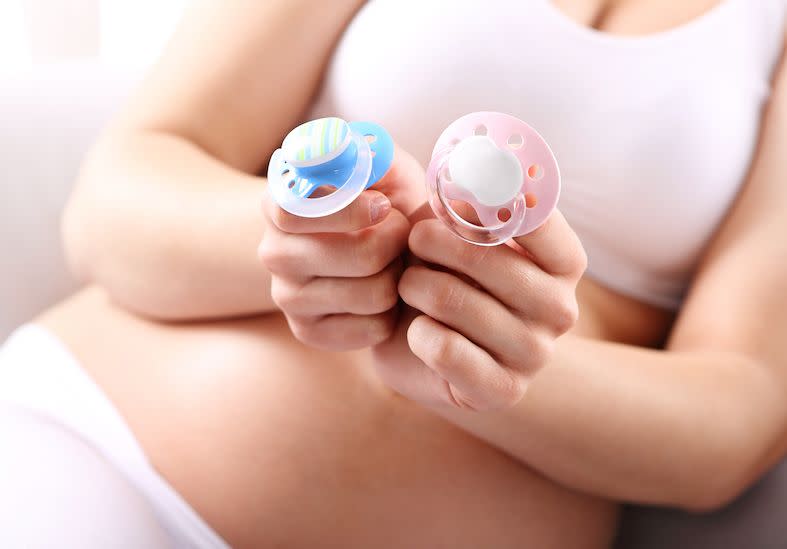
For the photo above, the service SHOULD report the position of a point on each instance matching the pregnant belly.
(277, 445)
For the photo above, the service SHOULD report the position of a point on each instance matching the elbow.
(723, 481)
(79, 241)
(713, 498)
(741, 445)
(89, 225)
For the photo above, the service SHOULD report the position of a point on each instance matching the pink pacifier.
(502, 168)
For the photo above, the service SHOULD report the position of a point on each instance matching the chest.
(652, 108)
(634, 17)
(416, 66)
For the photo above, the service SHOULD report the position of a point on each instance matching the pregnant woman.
(235, 375)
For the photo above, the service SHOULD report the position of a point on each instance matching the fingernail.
(379, 208)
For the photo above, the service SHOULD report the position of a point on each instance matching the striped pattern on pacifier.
(502, 168)
(316, 142)
(328, 153)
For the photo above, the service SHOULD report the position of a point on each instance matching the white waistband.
(39, 374)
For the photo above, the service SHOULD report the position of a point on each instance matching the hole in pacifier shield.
(465, 210)
(323, 190)
(516, 141)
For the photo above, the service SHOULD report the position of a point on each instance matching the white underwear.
(72, 475)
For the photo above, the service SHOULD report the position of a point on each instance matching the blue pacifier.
(328, 152)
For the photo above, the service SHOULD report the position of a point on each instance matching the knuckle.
(422, 236)
(541, 349)
(408, 282)
(304, 331)
(264, 249)
(369, 253)
(385, 293)
(510, 391)
(271, 254)
(579, 261)
(381, 329)
(565, 315)
(282, 295)
(582, 263)
(445, 352)
(573, 261)
(411, 286)
(516, 357)
(535, 349)
(399, 227)
(416, 236)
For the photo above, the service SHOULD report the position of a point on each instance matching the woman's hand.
(335, 277)
(484, 319)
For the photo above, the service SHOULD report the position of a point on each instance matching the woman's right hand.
(335, 278)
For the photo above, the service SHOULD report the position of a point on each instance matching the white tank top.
(654, 134)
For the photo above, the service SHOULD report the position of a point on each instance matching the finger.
(370, 208)
(357, 254)
(424, 211)
(343, 332)
(402, 371)
(403, 184)
(475, 380)
(502, 271)
(324, 296)
(555, 247)
(473, 313)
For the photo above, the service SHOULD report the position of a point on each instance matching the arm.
(166, 212)
(690, 428)
(692, 425)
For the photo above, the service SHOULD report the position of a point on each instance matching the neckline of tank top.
(637, 40)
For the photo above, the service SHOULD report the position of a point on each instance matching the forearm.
(165, 216)
(640, 425)
(167, 230)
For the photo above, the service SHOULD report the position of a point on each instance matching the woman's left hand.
(484, 319)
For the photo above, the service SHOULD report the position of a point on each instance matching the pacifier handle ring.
(470, 232)
(324, 205)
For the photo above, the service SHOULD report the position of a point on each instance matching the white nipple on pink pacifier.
(497, 171)
(492, 175)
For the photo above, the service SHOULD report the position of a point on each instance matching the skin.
(220, 363)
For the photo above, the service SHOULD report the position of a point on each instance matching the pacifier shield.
(499, 165)
(332, 154)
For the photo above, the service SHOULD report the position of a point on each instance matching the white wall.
(14, 46)
(65, 67)
(120, 32)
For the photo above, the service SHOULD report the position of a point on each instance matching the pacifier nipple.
(332, 154)
(499, 166)
(492, 175)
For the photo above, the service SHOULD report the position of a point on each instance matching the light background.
(119, 32)
(65, 67)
